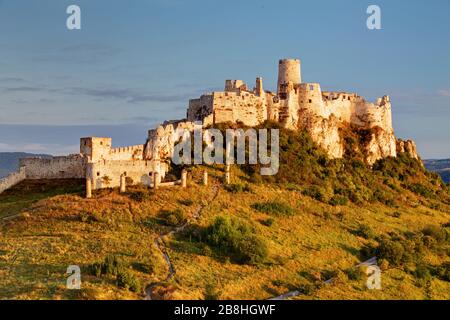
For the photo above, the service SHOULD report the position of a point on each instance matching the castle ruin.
(296, 105)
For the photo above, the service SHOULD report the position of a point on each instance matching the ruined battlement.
(100, 148)
(296, 105)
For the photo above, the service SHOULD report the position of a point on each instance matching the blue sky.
(136, 63)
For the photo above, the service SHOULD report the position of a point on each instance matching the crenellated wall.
(235, 104)
(296, 105)
(98, 148)
(12, 179)
(300, 105)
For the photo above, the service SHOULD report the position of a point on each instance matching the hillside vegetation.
(254, 239)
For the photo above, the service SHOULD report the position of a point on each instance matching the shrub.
(237, 187)
(364, 231)
(420, 190)
(392, 251)
(139, 196)
(443, 271)
(338, 200)
(396, 214)
(112, 265)
(173, 218)
(268, 222)
(211, 292)
(437, 233)
(308, 289)
(422, 272)
(314, 192)
(367, 252)
(129, 281)
(237, 240)
(273, 207)
(354, 274)
(186, 202)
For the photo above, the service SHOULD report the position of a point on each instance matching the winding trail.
(159, 242)
(372, 261)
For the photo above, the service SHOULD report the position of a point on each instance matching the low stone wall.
(106, 173)
(67, 167)
(12, 179)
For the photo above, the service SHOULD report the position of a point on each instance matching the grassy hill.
(254, 239)
(9, 161)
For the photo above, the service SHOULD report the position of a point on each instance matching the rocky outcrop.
(408, 147)
(381, 144)
(161, 141)
(325, 132)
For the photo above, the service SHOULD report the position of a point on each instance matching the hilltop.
(256, 238)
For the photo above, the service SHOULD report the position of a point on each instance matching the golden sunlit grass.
(52, 232)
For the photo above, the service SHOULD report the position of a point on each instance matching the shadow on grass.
(24, 194)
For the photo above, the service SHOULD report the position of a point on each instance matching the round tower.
(288, 72)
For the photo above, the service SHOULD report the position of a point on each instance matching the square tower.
(95, 148)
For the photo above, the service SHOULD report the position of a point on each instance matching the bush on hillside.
(274, 208)
(237, 188)
(236, 239)
(112, 265)
(128, 281)
(172, 218)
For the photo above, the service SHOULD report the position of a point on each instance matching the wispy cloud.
(128, 95)
(55, 149)
(444, 93)
(23, 89)
(12, 80)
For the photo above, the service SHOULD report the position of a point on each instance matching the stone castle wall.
(300, 105)
(106, 173)
(12, 179)
(67, 167)
(235, 104)
(95, 149)
(296, 105)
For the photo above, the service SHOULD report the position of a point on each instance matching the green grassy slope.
(256, 239)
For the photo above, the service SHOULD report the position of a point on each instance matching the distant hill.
(441, 167)
(9, 161)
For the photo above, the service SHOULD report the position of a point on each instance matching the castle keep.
(296, 105)
(299, 105)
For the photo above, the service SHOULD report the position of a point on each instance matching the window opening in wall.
(311, 87)
(310, 101)
(98, 173)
